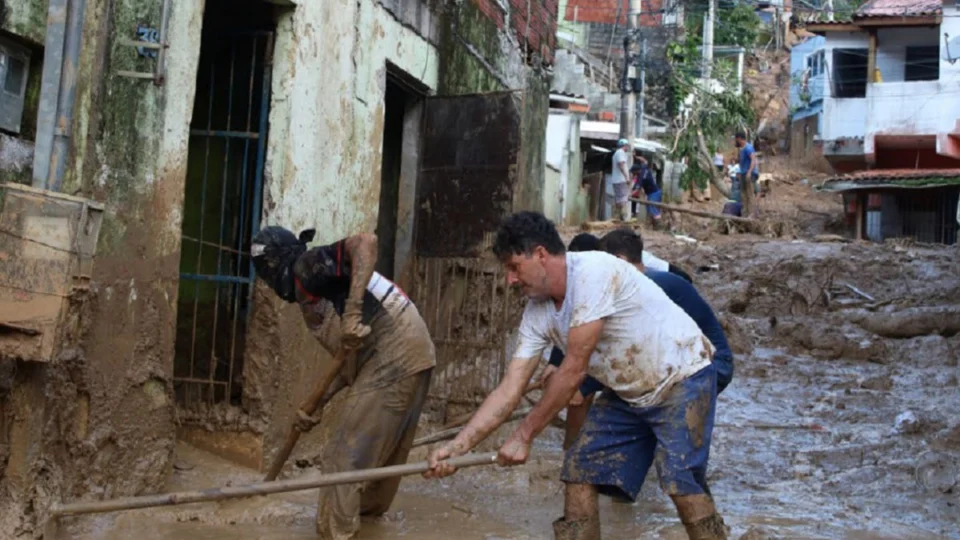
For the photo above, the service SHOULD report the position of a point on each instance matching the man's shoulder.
(592, 261)
(664, 279)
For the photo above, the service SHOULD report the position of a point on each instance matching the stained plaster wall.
(24, 18)
(480, 55)
(99, 422)
(24, 21)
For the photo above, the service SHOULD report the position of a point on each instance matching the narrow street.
(253, 243)
(811, 438)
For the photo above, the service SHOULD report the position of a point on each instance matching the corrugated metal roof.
(900, 8)
(898, 178)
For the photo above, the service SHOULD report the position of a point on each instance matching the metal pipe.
(68, 91)
(49, 91)
(162, 52)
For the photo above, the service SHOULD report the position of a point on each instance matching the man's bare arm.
(581, 343)
(362, 254)
(498, 406)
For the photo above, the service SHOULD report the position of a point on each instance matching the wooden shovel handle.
(309, 407)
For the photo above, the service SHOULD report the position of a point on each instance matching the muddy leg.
(581, 515)
(700, 517)
(369, 427)
(576, 416)
(378, 496)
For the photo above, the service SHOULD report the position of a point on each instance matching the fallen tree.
(911, 322)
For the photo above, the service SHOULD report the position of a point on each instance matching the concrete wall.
(25, 18)
(104, 408)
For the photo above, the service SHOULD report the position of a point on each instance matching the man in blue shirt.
(628, 245)
(749, 168)
(644, 180)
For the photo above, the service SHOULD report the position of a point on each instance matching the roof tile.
(900, 8)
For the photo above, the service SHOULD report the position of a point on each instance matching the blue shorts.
(588, 387)
(656, 196)
(618, 442)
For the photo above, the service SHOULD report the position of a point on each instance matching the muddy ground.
(842, 420)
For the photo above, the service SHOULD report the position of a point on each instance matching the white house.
(889, 84)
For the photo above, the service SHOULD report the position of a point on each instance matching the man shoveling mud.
(390, 375)
(628, 245)
(617, 325)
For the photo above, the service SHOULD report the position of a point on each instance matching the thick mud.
(829, 429)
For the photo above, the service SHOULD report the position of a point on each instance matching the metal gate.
(472, 315)
(469, 172)
(222, 210)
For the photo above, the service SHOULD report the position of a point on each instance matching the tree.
(709, 112)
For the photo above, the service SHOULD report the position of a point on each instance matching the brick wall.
(532, 22)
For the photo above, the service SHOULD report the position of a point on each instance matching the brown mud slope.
(841, 420)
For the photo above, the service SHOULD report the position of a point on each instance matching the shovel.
(308, 408)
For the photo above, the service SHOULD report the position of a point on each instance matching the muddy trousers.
(374, 428)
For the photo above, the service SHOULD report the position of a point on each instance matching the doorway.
(400, 159)
(222, 203)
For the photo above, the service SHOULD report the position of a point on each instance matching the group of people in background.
(632, 182)
(629, 181)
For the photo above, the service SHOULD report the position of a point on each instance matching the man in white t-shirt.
(620, 179)
(618, 326)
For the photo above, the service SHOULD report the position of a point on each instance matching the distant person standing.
(748, 169)
(648, 184)
(718, 161)
(619, 177)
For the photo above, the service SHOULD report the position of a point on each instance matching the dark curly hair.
(522, 232)
(623, 242)
(584, 242)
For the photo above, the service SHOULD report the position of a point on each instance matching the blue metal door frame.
(234, 270)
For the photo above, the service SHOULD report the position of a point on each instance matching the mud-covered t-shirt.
(322, 279)
(648, 344)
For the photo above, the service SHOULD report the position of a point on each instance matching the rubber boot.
(581, 529)
(708, 528)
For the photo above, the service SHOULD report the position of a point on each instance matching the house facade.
(882, 91)
(885, 86)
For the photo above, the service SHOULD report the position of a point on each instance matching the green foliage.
(737, 25)
(708, 116)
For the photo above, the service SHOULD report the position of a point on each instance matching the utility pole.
(707, 69)
(643, 86)
(628, 96)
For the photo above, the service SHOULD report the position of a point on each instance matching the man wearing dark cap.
(345, 303)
